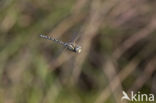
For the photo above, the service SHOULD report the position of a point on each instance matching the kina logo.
(138, 97)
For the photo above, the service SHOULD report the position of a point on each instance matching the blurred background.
(118, 40)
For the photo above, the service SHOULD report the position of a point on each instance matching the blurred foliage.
(115, 36)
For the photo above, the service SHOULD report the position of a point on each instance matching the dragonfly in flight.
(70, 46)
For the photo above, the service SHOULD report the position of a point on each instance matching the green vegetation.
(118, 50)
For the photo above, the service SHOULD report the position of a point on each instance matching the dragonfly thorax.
(74, 48)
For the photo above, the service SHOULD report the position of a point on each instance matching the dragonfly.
(70, 46)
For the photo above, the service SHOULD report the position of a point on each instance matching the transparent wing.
(75, 37)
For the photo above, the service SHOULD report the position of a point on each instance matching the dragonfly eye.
(78, 49)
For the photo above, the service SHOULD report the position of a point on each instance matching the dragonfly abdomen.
(53, 39)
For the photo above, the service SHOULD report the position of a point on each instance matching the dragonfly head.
(78, 49)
